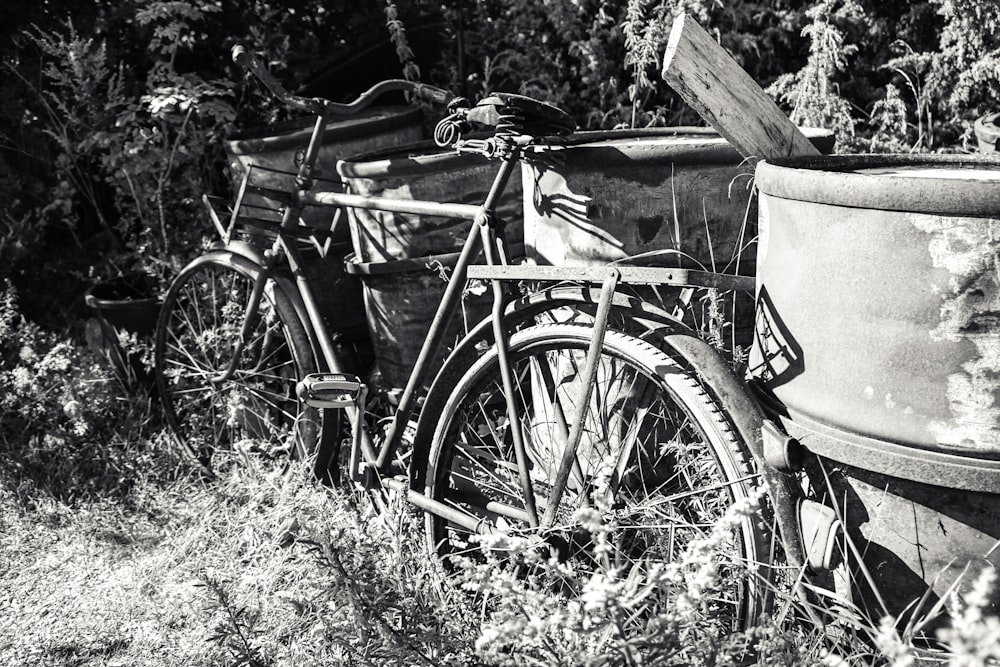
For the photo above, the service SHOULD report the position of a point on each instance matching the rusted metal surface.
(916, 539)
(636, 275)
(401, 297)
(602, 196)
(954, 471)
(607, 195)
(877, 346)
(881, 318)
(423, 172)
(987, 131)
(276, 150)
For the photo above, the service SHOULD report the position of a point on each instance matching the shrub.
(65, 424)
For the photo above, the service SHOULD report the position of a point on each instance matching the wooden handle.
(722, 93)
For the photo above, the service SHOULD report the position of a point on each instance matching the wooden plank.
(721, 91)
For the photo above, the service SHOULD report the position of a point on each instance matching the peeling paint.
(970, 311)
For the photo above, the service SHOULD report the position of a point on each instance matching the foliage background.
(111, 116)
(112, 111)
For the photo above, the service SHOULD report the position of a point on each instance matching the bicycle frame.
(371, 465)
(485, 234)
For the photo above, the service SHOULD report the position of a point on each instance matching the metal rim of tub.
(413, 264)
(836, 180)
(295, 133)
(397, 266)
(822, 138)
(426, 157)
(417, 159)
(937, 468)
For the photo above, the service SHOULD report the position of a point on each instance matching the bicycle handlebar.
(320, 106)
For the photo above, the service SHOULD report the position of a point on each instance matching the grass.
(115, 551)
(240, 571)
(269, 570)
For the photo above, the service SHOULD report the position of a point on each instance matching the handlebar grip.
(240, 55)
(248, 61)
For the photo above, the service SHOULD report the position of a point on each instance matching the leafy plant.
(63, 421)
(238, 627)
(138, 163)
(812, 91)
(397, 33)
(959, 80)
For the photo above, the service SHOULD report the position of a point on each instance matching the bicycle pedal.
(329, 390)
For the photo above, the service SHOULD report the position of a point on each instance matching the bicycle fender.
(747, 417)
(519, 312)
(243, 249)
(248, 252)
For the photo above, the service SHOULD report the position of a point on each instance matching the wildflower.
(488, 636)
(599, 592)
(889, 642)
(974, 638)
(830, 659)
(23, 380)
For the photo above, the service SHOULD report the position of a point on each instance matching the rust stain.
(970, 311)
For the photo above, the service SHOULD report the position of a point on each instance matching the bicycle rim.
(254, 416)
(657, 468)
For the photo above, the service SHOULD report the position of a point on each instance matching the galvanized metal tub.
(401, 297)
(423, 172)
(877, 345)
(987, 131)
(602, 196)
(879, 305)
(275, 151)
(683, 193)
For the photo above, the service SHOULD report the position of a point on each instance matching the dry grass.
(113, 551)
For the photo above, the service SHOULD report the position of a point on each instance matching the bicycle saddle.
(522, 115)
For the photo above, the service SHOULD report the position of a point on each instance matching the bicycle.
(529, 419)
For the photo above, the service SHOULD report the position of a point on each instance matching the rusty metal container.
(877, 344)
(682, 191)
(424, 172)
(987, 131)
(401, 297)
(879, 303)
(275, 151)
(605, 195)
(403, 259)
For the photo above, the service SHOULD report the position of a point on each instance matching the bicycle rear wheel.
(658, 463)
(255, 415)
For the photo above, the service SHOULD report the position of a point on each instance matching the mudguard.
(660, 329)
(285, 283)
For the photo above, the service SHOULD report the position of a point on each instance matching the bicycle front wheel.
(254, 414)
(658, 466)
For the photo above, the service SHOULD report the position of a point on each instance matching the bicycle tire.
(255, 416)
(675, 474)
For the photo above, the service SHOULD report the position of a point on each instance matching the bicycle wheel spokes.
(656, 469)
(255, 408)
